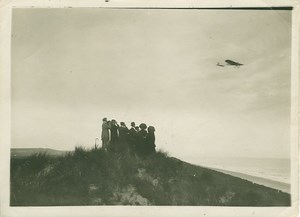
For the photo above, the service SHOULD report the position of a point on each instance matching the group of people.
(138, 139)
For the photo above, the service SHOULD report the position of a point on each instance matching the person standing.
(137, 128)
(142, 135)
(105, 133)
(150, 140)
(123, 137)
(132, 137)
(114, 133)
(123, 132)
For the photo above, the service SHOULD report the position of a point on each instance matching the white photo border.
(6, 8)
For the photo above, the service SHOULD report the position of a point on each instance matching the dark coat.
(114, 133)
(132, 139)
(150, 142)
(123, 133)
(141, 142)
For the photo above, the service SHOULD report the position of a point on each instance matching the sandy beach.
(285, 187)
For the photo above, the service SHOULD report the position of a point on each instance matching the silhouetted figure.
(114, 134)
(150, 140)
(141, 143)
(123, 137)
(105, 133)
(119, 138)
(108, 123)
(137, 128)
(132, 137)
(123, 132)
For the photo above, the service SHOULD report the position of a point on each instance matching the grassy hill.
(96, 177)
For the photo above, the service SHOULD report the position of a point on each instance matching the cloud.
(73, 67)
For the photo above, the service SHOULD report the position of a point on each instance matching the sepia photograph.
(173, 107)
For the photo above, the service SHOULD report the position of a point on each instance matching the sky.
(72, 67)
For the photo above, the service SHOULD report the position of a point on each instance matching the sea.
(268, 168)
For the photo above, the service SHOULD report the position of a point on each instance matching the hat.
(143, 126)
(104, 119)
(151, 129)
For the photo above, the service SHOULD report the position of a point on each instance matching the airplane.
(232, 63)
(218, 64)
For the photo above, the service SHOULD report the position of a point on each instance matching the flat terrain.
(26, 152)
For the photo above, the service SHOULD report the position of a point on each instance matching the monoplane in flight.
(233, 63)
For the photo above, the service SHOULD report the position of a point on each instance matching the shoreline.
(284, 187)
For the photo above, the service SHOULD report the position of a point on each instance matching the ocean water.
(269, 168)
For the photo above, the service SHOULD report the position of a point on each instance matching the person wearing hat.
(114, 132)
(123, 137)
(132, 137)
(150, 140)
(123, 132)
(142, 135)
(105, 133)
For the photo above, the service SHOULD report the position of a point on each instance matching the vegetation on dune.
(98, 177)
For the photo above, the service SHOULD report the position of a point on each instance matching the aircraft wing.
(230, 62)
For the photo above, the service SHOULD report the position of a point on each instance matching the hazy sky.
(72, 67)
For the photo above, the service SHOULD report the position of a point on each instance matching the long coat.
(150, 141)
(132, 139)
(105, 134)
(141, 142)
(123, 133)
(114, 134)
